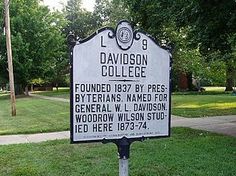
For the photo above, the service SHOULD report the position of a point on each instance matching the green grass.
(37, 115)
(203, 105)
(3, 93)
(63, 92)
(186, 152)
(213, 102)
(215, 89)
(33, 115)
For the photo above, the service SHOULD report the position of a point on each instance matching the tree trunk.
(182, 82)
(26, 90)
(190, 81)
(32, 88)
(57, 86)
(229, 77)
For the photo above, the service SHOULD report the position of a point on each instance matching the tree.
(3, 60)
(154, 18)
(109, 12)
(36, 40)
(80, 22)
(212, 27)
(208, 25)
(83, 23)
(57, 67)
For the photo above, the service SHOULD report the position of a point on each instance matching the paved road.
(220, 124)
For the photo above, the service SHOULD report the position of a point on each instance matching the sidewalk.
(219, 124)
(33, 138)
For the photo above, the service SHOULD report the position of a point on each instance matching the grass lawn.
(187, 152)
(216, 89)
(3, 93)
(38, 115)
(33, 115)
(203, 105)
(63, 92)
(213, 102)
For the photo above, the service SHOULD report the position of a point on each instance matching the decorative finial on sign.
(124, 35)
(71, 39)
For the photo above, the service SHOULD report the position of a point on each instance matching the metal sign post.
(123, 150)
(120, 89)
(123, 167)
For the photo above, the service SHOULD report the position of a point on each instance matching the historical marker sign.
(120, 86)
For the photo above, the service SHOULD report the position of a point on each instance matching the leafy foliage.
(110, 12)
(201, 32)
(80, 22)
(37, 41)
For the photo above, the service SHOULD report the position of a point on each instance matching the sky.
(87, 4)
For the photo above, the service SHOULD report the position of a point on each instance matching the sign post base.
(123, 146)
(123, 167)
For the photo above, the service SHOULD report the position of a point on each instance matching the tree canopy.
(201, 34)
(80, 21)
(83, 23)
(37, 41)
(194, 27)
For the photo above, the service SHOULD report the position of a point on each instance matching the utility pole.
(9, 57)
